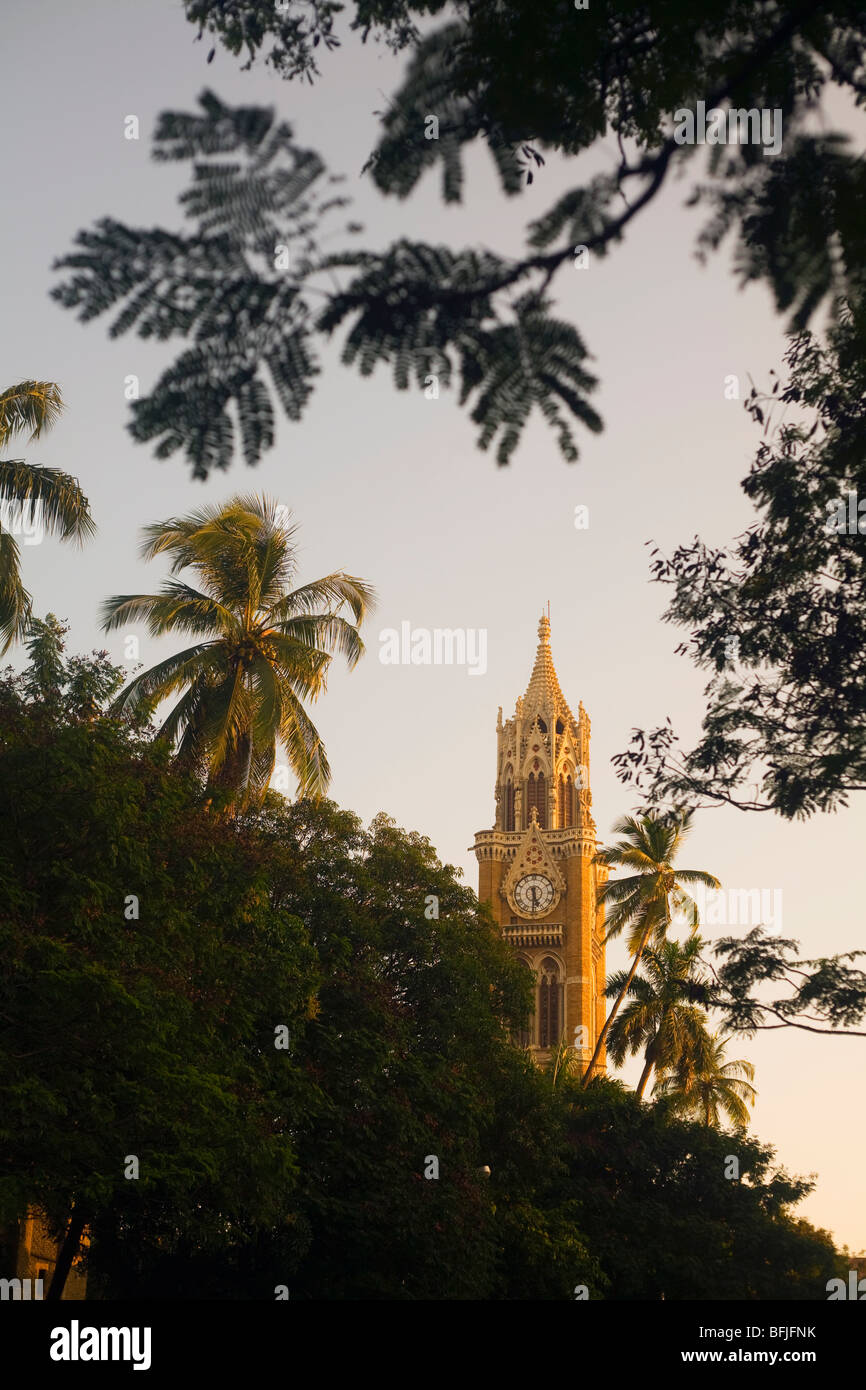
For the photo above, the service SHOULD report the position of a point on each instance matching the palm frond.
(305, 749)
(698, 876)
(31, 405)
(161, 681)
(244, 690)
(326, 632)
(179, 608)
(227, 721)
(332, 589)
(15, 602)
(62, 505)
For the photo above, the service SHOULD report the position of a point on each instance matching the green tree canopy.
(144, 970)
(153, 958)
(674, 1218)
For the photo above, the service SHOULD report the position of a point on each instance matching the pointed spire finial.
(543, 695)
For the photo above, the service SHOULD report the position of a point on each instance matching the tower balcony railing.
(488, 842)
(546, 934)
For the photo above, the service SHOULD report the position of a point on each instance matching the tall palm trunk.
(68, 1251)
(650, 1056)
(645, 1074)
(587, 1075)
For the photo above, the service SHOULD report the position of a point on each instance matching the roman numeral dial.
(534, 894)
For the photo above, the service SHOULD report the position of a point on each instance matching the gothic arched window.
(536, 795)
(565, 808)
(549, 1004)
(509, 800)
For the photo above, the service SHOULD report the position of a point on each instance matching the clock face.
(534, 894)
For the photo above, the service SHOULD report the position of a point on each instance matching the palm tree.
(644, 902)
(561, 1062)
(664, 1014)
(703, 1084)
(55, 497)
(263, 648)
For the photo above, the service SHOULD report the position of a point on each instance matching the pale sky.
(391, 487)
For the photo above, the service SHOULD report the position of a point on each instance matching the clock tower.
(536, 865)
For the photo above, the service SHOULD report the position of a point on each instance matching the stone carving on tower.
(536, 866)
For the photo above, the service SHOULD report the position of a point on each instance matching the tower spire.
(537, 866)
(544, 693)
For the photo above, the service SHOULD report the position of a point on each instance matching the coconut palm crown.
(644, 903)
(664, 1013)
(704, 1086)
(262, 648)
(45, 497)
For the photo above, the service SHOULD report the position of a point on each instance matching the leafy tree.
(264, 648)
(240, 286)
(150, 952)
(645, 902)
(664, 1015)
(144, 971)
(822, 995)
(75, 686)
(780, 616)
(525, 81)
(411, 1050)
(408, 1048)
(703, 1084)
(31, 497)
(780, 619)
(656, 1198)
(408, 1060)
(306, 1166)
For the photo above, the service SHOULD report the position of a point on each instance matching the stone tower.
(535, 867)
